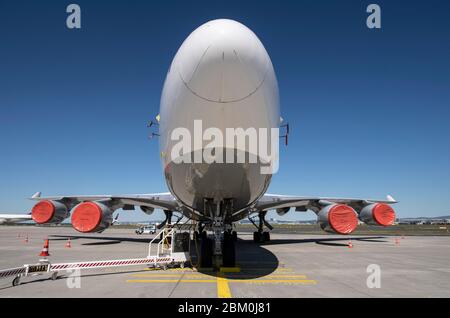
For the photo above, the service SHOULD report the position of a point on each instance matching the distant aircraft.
(223, 76)
(14, 218)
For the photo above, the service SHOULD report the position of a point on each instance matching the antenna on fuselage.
(286, 135)
(154, 123)
(153, 135)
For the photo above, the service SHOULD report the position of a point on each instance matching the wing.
(164, 201)
(275, 201)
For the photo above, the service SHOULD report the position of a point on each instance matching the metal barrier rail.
(164, 257)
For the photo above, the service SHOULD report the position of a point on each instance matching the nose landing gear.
(218, 249)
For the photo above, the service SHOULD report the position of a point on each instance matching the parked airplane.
(14, 218)
(223, 76)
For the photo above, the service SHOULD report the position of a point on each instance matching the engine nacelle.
(282, 211)
(338, 218)
(378, 214)
(147, 210)
(49, 212)
(88, 217)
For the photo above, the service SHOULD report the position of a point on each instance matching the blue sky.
(369, 109)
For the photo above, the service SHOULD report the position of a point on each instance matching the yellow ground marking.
(235, 269)
(171, 270)
(223, 289)
(228, 276)
(262, 269)
(262, 263)
(280, 281)
(279, 275)
(172, 275)
(243, 269)
(239, 277)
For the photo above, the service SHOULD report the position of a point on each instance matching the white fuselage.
(14, 218)
(223, 76)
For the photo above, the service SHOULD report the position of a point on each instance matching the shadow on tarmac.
(253, 259)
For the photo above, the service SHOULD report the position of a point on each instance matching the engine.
(88, 217)
(338, 218)
(147, 210)
(49, 212)
(282, 211)
(378, 214)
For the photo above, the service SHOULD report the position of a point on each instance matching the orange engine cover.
(378, 214)
(90, 217)
(338, 218)
(47, 211)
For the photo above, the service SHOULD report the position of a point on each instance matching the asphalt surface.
(290, 265)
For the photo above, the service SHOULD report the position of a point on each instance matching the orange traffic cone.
(397, 241)
(26, 239)
(44, 251)
(350, 245)
(68, 244)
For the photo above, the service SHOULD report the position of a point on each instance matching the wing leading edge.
(275, 201)
(163, 201)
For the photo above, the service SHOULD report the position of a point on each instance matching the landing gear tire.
(266, 236)
(16, 281)
(234, 236)
(256, 237)
(206, 253)
(228, 251)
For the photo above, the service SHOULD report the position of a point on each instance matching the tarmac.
(290, 265)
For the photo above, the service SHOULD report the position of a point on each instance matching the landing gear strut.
(219, 249)
(260, 236)
(167, 221)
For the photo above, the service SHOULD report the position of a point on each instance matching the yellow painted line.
(261, 263)
(263, 269)
(280, 281)
(171, 275)
(228, 276)
(235, 269)
(223, 289)
(266, 277)
(170, 270)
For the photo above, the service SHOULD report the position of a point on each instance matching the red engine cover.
(342, 219)
(43, 212)
(383, 214)
(86, 217)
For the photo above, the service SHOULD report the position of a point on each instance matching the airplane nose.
(222, 61)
